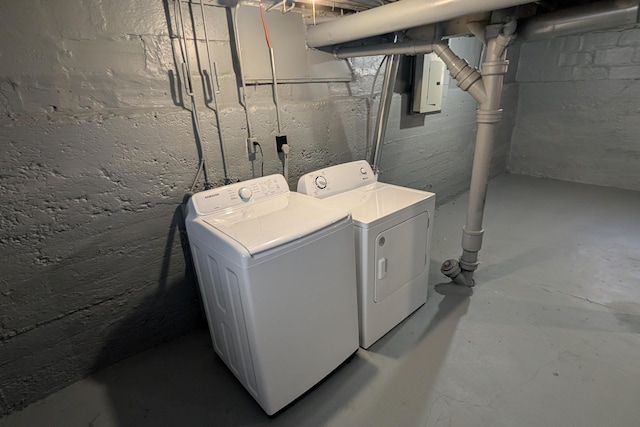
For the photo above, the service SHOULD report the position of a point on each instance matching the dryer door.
(400, 255)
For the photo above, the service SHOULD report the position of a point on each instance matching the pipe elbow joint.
(469, 79)
(451, 269)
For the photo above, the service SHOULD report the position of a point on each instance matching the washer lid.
(273, 222)
(376, 202)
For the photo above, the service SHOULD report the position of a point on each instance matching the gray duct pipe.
(397, 16)
(594, 16)
(390, 74)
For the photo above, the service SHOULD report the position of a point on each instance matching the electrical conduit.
(281, 140)
(214, 96)
(390, 74)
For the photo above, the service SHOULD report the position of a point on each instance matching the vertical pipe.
(243, 82)
(488, 116)
(390, 74)
(488, 91)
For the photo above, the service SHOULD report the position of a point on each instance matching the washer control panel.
(336, 179)
(240, 193)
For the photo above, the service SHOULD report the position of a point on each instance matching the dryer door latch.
(382, 268)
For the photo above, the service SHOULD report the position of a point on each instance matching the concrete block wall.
(98, 151)
(578, 109)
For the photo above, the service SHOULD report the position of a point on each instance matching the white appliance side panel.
(400, 255)
(205, 290)
(241, 349)
(220, 290)
(362, 277)
(378, 318)
(301, 313)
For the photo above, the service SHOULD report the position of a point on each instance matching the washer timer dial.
(245, 193)
(321, 182)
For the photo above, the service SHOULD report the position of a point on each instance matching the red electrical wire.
(264, 25)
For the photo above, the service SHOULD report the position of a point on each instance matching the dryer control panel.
(336, 179)
(240, 193)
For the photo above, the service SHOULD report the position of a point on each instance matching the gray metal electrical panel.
(428, 86)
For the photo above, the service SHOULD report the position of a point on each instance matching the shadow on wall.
(161, 315)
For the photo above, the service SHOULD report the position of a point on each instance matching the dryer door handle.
(382, 268)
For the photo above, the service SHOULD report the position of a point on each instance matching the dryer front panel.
(400, 255)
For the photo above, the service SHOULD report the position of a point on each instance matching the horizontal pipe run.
(398, 16)
(402, 48)
(468, 78)
(592, 17)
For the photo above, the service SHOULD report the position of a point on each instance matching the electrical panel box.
(428, 84)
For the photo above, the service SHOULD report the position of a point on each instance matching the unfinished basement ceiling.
(348, 6)
(484, 12)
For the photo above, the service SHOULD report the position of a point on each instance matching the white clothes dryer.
(277, 278)
(393, 239)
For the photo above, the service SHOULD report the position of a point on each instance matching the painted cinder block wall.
(578, 109)
(97, 153)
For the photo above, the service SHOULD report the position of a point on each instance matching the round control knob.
(245, 193)
(321, 182)
(363, 171)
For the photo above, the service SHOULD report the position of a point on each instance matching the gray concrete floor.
(550, 336)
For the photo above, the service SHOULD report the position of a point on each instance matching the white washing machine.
(277, 277)
(393, 239)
